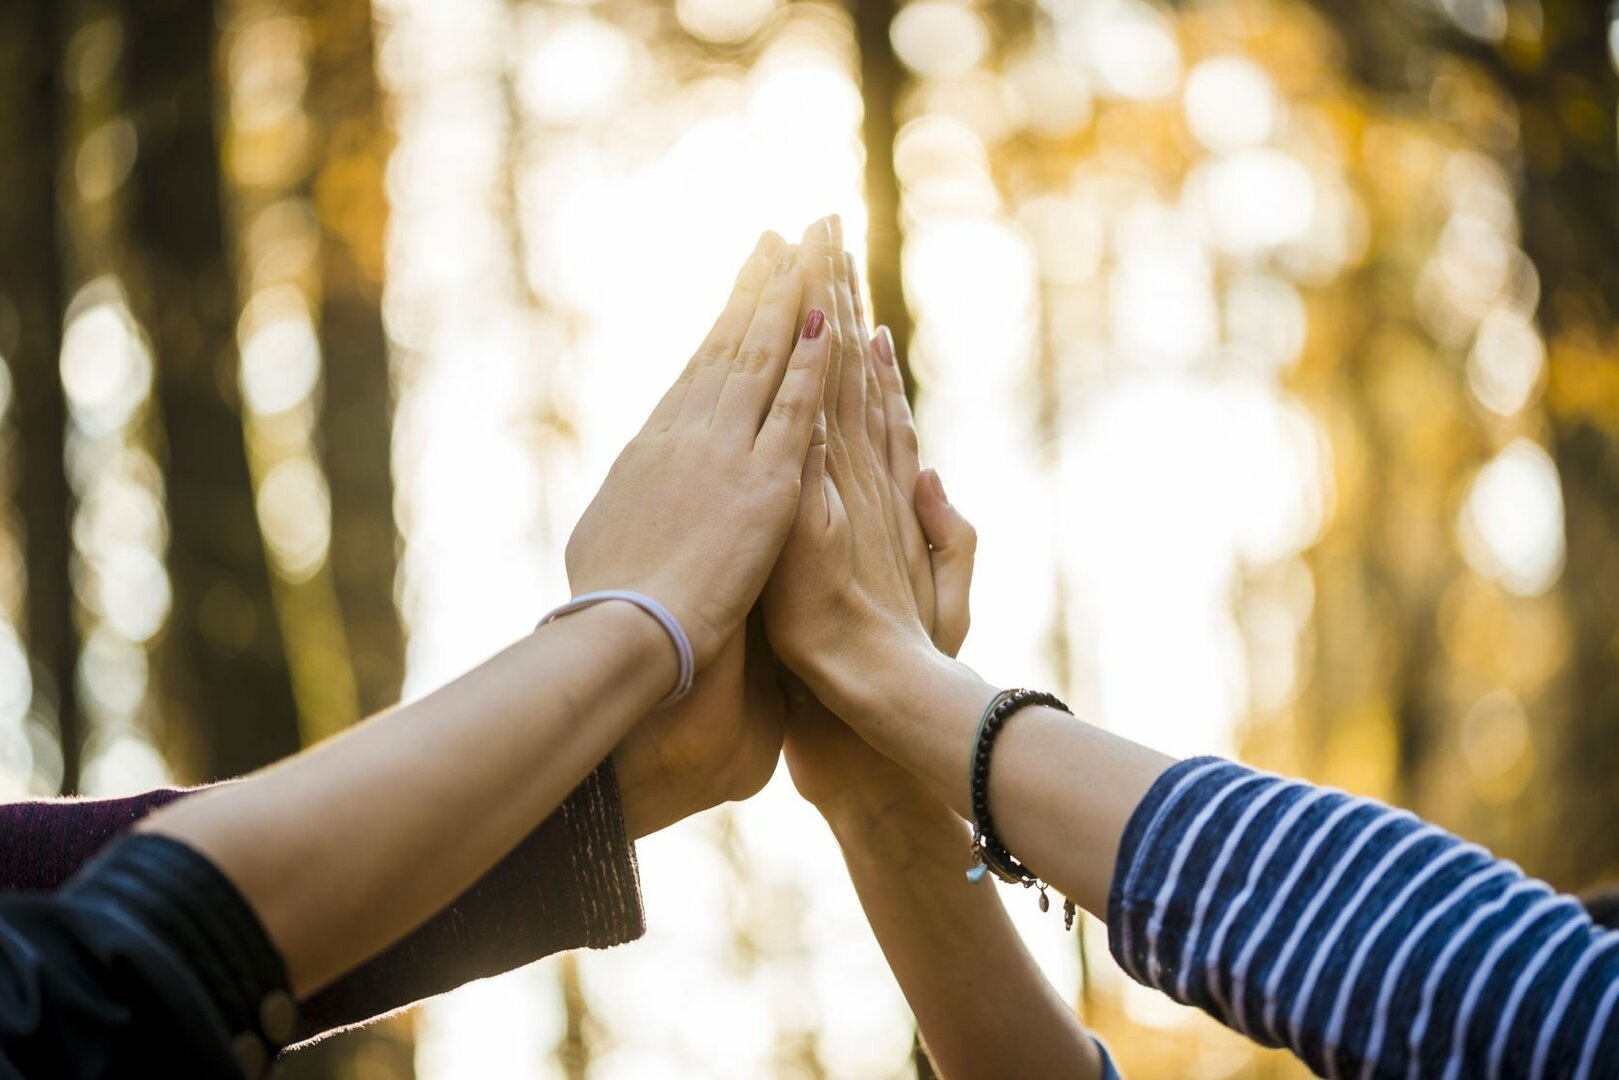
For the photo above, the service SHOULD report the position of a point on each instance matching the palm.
(722, 740)
(828, 761)
(825, 757)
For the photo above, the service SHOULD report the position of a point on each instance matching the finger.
(910, 545)
(788, 429)
(898, 452)
(705, 374)
(955, 545)
(760, 360)
(814, 498)
(904, 461)
(876, 424)
(851, 350)
(816, 251)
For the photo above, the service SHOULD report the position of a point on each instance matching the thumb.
(955, 543)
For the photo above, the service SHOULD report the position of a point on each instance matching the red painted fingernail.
(884, 344)
(813, 324)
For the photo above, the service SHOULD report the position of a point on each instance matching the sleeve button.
(278, 1017)
(251, 1053)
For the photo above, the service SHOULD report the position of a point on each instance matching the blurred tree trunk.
(881, 81)
(32, 46)
(1570, 211)
(351, 149)
(1561, 80)
(224, 672)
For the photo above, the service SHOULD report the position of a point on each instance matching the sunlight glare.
(1507, 363)
(573, 71)
(1511, 526)
(1230, 103)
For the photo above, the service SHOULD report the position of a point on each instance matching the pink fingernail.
(884, 343)
(938, 485)
(813, 324)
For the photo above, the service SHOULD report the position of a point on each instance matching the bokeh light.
(1243, 334)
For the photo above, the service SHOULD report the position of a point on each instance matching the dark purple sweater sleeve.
(571, 883)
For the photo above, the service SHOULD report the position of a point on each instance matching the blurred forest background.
(1270, 342)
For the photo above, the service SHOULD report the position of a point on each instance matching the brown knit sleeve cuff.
(604, 861)
(572, 883)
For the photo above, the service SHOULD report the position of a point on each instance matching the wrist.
(655, 794)
(643, 648)
(885, 821)
(912, 683)
(860, 683)
(922, 710)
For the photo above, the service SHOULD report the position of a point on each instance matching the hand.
(849, 782)
(719, 744)
(696, 508)
(832, 767)
(843, 596)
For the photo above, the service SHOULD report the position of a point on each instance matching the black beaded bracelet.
(990, 854)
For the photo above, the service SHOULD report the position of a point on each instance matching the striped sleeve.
(1368, 942)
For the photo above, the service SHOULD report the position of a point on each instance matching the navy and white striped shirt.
(1370, 943)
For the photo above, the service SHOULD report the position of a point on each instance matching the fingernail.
(884, 344)
(835, 222)
(786, 260)
(938, 485)
(813, 324)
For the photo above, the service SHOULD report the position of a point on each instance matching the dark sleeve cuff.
(179, 897)
(572, 883)
(43, 842)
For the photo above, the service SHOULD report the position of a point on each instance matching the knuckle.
(969, 539)
(716, 350)
(805, 359)
(754, 357)
(753, 275)
(786, 410)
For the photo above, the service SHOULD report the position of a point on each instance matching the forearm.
(1060, 790)
(571, 883)
(449, 783)
(983, 1007)
(577, 867)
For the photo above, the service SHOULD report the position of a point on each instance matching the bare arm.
(1061, 790)
(1363, 939)
(983, 1007)
(348, 846)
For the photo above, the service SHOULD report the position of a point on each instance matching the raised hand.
(719, 743)
(832, 767)
(696, 508)
(844, 591)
